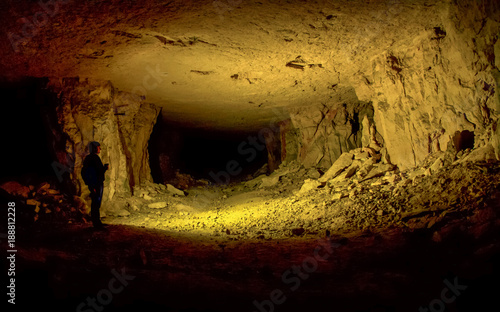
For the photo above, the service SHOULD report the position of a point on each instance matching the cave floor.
(245, 246)
(392, 270)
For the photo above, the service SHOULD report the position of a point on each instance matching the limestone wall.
(121, 122)
(440, 79)
(444, 80)
(322, 132)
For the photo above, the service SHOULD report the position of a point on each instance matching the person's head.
(94, 147)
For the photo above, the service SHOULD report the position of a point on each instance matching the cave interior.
(263, 155)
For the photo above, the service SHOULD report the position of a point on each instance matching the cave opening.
(184, 156)
(463, 140)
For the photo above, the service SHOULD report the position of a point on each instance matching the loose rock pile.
(44, 202)
(361, 191)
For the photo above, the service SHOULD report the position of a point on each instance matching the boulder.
(32, 202)
(117, 207)
(140, 192)
(175, 191)
(309, 184)
(392, 178)
(313, 173)
(485, 153)
(184, 208)
(134, 203)
(353, 168)
(43, 187)
(122, 213)
(344, 161)
(270, 181)
(274, 178)
(158, 205)
(254, 182)
(15, 188)
(361, 156)
(379, 170)
(338, 195)
(438, 164)
(366, 167)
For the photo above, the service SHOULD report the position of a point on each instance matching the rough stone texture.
(289, 141)
(270, 181)
(327, 131)
(344, 161)
(440, 81)
(429, 67)
(495, 138)
(484, 153)
(309, 185)
(424, 89)
(121, 122)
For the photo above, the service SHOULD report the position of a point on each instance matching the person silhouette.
(93, 175)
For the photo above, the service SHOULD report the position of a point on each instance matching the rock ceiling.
(223, 63)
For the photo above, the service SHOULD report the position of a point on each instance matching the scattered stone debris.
(360, 191)
(45, 203)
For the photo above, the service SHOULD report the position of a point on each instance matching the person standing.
(93, 175)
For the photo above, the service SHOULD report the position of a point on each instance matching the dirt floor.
(283, 242)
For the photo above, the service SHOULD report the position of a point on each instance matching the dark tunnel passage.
(216, 156)
(25, 145)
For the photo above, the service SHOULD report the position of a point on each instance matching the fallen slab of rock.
(344, 161)
(15, 188)
(172, 189)
(158, 205)
(309, 184)
(484, 153)
(378, 171)
(270, 181)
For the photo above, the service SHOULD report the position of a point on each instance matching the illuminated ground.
(247, 211)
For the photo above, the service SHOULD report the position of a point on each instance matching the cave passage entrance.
(216, 156)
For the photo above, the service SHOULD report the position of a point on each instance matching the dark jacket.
(94, 170)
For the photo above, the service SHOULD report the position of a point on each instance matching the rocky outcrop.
(122, 122)
(426, 88)
(323, 132)
(432, 90)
